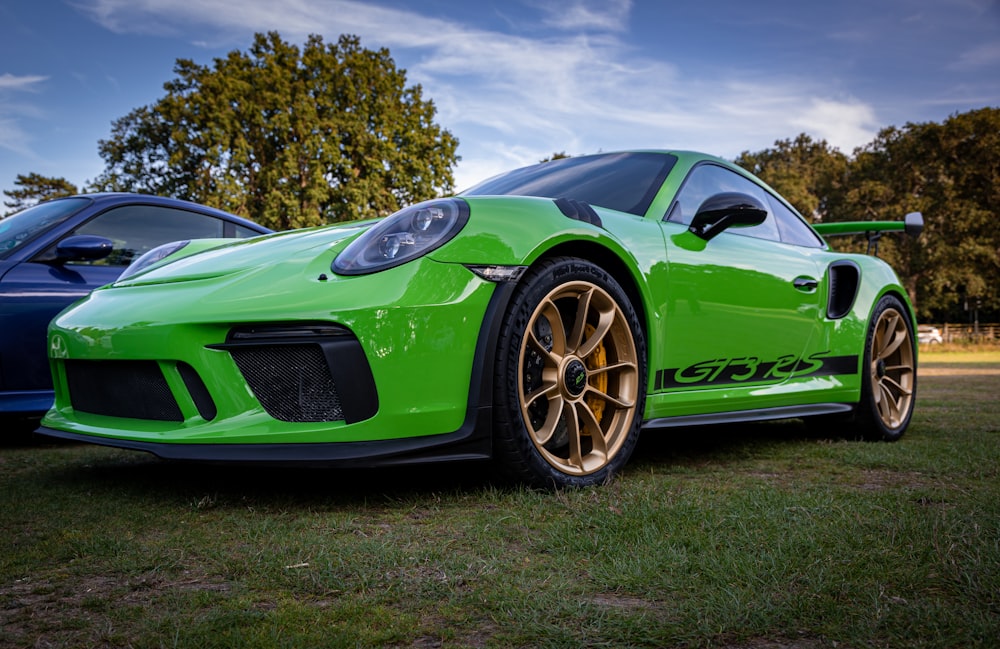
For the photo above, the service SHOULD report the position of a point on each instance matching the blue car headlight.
(409, 233)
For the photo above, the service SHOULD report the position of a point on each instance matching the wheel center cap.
(880, 369)
(575, 377)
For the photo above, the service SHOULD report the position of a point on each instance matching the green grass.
(762, 537)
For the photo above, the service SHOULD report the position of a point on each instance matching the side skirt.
(742, 416)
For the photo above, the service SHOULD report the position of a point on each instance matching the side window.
(707, 180)
(793, 229)
(136, 229)
(241, 232)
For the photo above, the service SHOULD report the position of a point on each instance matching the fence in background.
(958, 333)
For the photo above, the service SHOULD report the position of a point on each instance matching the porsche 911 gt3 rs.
(541, 319)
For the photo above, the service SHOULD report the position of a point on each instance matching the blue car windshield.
(626, 182)
(26, 224)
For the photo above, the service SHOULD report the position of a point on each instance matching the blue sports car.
(56, 252)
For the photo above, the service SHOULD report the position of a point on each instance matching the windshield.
(26, 224)
(626, 182)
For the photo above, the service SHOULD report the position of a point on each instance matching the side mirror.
(83, 247)
(914, 224)
(726, 210)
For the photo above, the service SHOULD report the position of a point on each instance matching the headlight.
(151, 257)
(409, 233)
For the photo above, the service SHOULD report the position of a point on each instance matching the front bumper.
(406, 362)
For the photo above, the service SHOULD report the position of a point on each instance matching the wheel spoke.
(881, 403)
(551, 313)
(613, 368)
(590, 425)
(580, 320)
(898, 338)
(615, 401)
(551, 423)
(886, 328)
(545, 390)
(890, 406)
(575, 443)
(601, 329)
(598, 455)
(889, 381)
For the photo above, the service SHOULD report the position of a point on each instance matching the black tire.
(570, 381)
(889, 373)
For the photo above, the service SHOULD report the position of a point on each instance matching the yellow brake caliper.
(597, 359)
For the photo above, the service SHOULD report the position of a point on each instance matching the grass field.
(761, 537)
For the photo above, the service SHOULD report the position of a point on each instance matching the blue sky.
(516, 80)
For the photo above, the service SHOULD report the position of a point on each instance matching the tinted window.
(26, 224)
(707, 180)
(135, 229)
(793, 229)
(241, 232)
(626, 182)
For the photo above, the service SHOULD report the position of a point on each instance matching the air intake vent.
(133, 389)
(845, 278)
(292, 382)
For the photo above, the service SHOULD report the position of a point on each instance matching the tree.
(808, 174)
(35, 188)
(951, 173)
(287, 137)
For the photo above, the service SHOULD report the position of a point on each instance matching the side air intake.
(845, 278)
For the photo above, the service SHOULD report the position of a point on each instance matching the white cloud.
(513, 99)
(985, 55)
(845, 125)
(13, 136)
(600, 15)
(11, 82)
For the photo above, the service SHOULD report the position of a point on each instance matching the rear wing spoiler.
(912, 224)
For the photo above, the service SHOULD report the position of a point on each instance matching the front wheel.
(570, 381)
(889, 374)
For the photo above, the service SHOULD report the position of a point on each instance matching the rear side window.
(136, 229)
(240, 232)
(793, 229)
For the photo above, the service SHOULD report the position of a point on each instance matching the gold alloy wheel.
(578, 378)
(892, 368)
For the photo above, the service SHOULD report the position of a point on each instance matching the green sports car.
(542, 318)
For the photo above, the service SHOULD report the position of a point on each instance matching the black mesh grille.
(134, 389)
(292, 382)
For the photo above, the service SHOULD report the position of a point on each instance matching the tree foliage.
(950, 172)
(286, 136)
(34, 188)
(805, 172)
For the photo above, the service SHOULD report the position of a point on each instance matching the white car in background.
(928, 335)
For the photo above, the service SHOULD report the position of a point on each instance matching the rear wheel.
(889, 374)
(570, 380)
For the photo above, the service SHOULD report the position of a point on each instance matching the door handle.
(805, 284)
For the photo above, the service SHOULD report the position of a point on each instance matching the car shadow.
(700, 445)
(145, 476)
